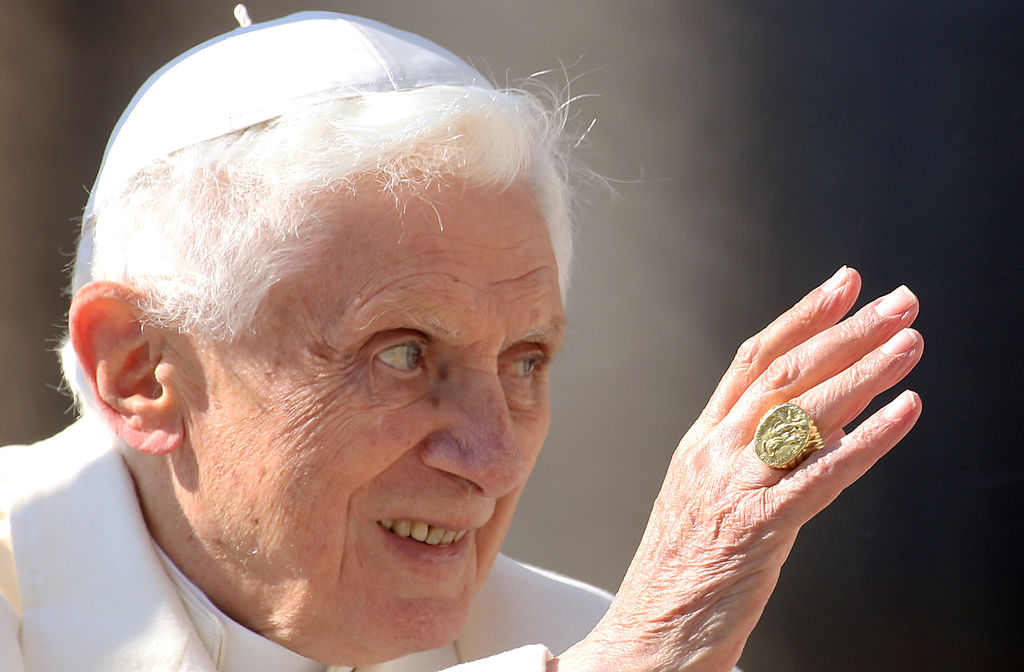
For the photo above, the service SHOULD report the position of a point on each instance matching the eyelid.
(394, 337)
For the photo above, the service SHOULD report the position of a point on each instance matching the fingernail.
(900, 406)
(901, 342)
(837, 281)
(896, 302)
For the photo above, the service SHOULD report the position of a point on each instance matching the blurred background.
(754, 147)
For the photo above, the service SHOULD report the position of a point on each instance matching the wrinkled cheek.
(295, 524)
(317, 523)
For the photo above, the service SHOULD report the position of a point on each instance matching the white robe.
(86, 589)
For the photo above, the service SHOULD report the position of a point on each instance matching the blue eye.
(404, 357)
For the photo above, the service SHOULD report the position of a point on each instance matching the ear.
(123, 365)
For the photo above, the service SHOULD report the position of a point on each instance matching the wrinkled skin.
(404, 376)
(724, 523)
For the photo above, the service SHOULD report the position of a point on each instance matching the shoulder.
(519, 604)
(27, 473)
(52, 462)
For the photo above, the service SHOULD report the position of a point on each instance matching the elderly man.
(317, 297)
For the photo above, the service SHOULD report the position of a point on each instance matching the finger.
(818, 481)
(825, 355)
(839, 400)
(818, 310)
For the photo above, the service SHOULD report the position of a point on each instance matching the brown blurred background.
(755, 147)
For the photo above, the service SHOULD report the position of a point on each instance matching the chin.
(426, 627)
(418, 625)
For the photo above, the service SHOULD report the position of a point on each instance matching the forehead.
(454, 257)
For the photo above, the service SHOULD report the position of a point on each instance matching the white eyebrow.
(552, 331)
(430, 323)
(413, 318)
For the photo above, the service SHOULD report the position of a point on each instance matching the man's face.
(401, 383)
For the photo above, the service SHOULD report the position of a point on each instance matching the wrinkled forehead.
(438, 258)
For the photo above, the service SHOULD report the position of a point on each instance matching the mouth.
(423, 532)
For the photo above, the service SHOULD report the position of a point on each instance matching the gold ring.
(785, 437)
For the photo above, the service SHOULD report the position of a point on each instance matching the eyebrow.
(414, 318)
(553, 331)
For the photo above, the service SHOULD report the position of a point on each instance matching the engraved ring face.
(785, 436)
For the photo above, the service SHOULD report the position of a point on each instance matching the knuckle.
(804, 314)
(850, 330)
(781, 374)
(748, 354)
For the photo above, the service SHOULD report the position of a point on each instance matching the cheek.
(531, 429)
(283, 475)
(341, 453)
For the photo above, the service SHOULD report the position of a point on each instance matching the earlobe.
(123, 363)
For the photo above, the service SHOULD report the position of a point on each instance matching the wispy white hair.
(204, 233)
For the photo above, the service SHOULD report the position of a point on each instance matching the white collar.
(232, 647)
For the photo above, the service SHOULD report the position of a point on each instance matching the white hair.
(204, 233)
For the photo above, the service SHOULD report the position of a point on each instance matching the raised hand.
(724, 522)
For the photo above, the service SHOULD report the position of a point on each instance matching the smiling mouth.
(420, 531)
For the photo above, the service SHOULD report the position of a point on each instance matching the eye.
(404, 357)
(524, 366)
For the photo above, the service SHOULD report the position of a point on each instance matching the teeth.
(435, 535)
(420, 531)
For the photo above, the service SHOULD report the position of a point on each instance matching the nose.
(475, 440)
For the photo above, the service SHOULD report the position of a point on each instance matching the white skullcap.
(258, 72)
